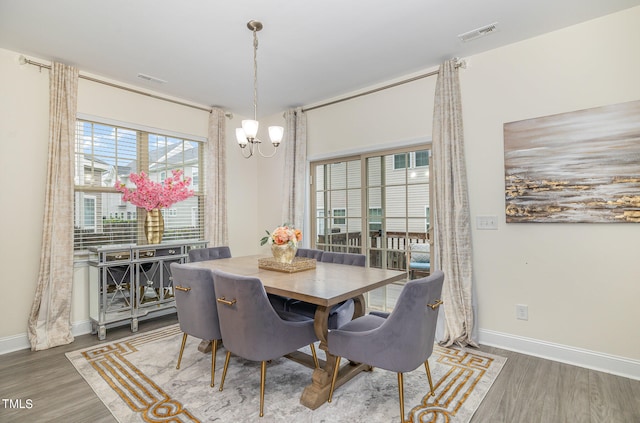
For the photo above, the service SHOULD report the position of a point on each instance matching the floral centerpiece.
(153, 196)
(284, 242)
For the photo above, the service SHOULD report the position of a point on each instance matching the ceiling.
(309, 51)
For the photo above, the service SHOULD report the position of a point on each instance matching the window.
(106, 153)
(422, 158)
(337, 213)
(411, 160)
(427, 220)
(400, 161)
(375, 219)
(89, 212)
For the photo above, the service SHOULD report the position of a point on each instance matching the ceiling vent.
(151, 78)
(479, 32)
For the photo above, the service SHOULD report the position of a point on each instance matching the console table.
(129, 281)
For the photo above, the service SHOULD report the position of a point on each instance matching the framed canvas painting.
(581, 166)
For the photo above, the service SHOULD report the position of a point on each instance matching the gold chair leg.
(315, 356)
(333, 379)
(214, 348)
(224, 371)
(401, 392)
(184, 341)
(263, 375)
(426, 367)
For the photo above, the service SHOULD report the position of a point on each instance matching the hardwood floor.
(528, 390)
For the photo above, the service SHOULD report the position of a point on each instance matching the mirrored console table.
(129, 281)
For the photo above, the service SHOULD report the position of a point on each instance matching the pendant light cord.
(255, 75)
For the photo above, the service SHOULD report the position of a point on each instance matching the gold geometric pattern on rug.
(139, 392)
(466, 369)
(461, 379)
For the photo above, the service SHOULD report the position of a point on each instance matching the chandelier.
(247, 135)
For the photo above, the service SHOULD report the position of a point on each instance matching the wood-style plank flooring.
(528, 390)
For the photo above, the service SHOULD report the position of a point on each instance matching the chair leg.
(333, 379)
(315, 356)
(401, 393)
(184, 341)
(426, 367)
(263, 375)
(224, 371)
(214, 348)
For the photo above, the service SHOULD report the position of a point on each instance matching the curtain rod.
(461, 63)
(24, 61)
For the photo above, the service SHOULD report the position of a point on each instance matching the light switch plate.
(487, 222)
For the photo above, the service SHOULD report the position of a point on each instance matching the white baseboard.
(21, 341)
(607, 363)
(14, 343)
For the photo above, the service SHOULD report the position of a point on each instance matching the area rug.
(137, 380)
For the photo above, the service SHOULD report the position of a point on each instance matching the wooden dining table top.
(326, 285)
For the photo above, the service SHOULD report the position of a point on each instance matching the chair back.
(310, 253)
(344, 258)
(211, 253)
(411, 326)
(196, 301)
(250, 326)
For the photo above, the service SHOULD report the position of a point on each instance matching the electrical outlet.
(522, 312)
(487, 222)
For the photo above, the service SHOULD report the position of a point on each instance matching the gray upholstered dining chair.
(310, 253)
(252, 329)
(401, 342)
(340, 313)
(211, 253)
(197, 308)
(344, 258)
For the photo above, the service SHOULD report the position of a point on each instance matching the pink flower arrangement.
(153, 195)
(285, 234)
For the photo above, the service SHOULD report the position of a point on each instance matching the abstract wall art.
(581, 166)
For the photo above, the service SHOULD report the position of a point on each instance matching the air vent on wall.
(151, 78)
(479, 32)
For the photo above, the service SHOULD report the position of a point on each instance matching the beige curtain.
(295, 170)
(50, 318)
(215, 170)
(452, 240)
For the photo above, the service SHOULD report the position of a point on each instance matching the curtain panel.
(50, 318)
(295, 169)
(215, 215)
(452, 240)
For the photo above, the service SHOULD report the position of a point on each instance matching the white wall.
(580, 281)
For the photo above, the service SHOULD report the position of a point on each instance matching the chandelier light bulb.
(241, 137)
(250, 128)
(275, 134)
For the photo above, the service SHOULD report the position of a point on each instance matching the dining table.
(325, 285)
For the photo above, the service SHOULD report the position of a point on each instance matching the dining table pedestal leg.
(317, 393)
